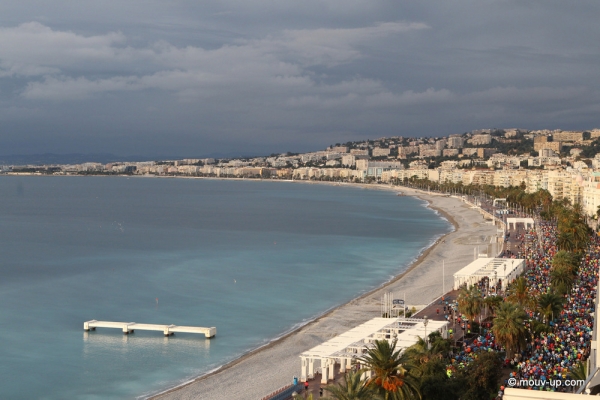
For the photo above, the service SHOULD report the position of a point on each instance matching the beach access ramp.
(130, 327)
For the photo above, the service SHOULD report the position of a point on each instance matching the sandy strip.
(265, 370)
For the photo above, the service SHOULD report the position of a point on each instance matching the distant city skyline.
(256, 77)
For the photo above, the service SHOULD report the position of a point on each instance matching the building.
(499, 271)
(540, 145)
(481, 140)
(430, 153)
(407, 150)
(594, 133)
(450, 152)
(455, 142)
(361, 152)
(380, 152)
(339, 149)
(349, 160)
(376, 168)
(567, 136)
(485, 153)
(347, 348)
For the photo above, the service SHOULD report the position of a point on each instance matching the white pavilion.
(350, 345)
(495, 269)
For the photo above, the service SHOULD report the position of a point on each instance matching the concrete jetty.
(130, 327)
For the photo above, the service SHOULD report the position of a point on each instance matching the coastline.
(265, 369)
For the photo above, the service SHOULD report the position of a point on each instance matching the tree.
(392, 377)
(549, 305)
(481, 376)
(470, 301)
(352, 387)
(519, 292)
(509, 327)
(565, 259)
(561, 280)
(435, 383)
(421, 353)
(579, 371)
(493, 303)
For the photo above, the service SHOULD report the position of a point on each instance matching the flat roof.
(486, 267)
(348, 343)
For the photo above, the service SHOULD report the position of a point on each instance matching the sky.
(248, 77)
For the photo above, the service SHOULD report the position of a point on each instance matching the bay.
(254, 259)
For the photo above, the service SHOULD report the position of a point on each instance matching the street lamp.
(495, 282)
(425, 322)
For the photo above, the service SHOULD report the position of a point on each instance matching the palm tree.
(572, 228)
(565, 259)
(509, 327)
(352, 387)
(561, 279)
(537, 327)
(421, 353)
(493, 302)
(470, 301)
(579, 371)
(519, 292)
(549, 305)
(392, 373)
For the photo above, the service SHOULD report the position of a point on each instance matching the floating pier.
(130, 327)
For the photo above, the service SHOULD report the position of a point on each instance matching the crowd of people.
(548, 356)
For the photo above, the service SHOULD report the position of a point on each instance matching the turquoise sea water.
(255, 259)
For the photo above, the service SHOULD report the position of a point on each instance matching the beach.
(273, 366)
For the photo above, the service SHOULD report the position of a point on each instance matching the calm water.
(254, 259)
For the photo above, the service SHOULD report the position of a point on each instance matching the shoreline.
(262, 370)
(280, 346)
(420, 258)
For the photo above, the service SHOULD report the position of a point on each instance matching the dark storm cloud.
(190, 78)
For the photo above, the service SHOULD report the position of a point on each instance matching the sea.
(255, 259)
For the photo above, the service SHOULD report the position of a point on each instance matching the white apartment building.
(376, 168)
(567, 136)
(455, 142)
(452, 175)
(543, 161)
(479, 140)
(339, 149)
(430, 153)
(507, 178)
(380, 152)
(500, 160)
(450, 152)
(361, 152)
(407, 150)
(591, 193)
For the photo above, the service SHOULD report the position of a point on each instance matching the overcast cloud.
(189, 79)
